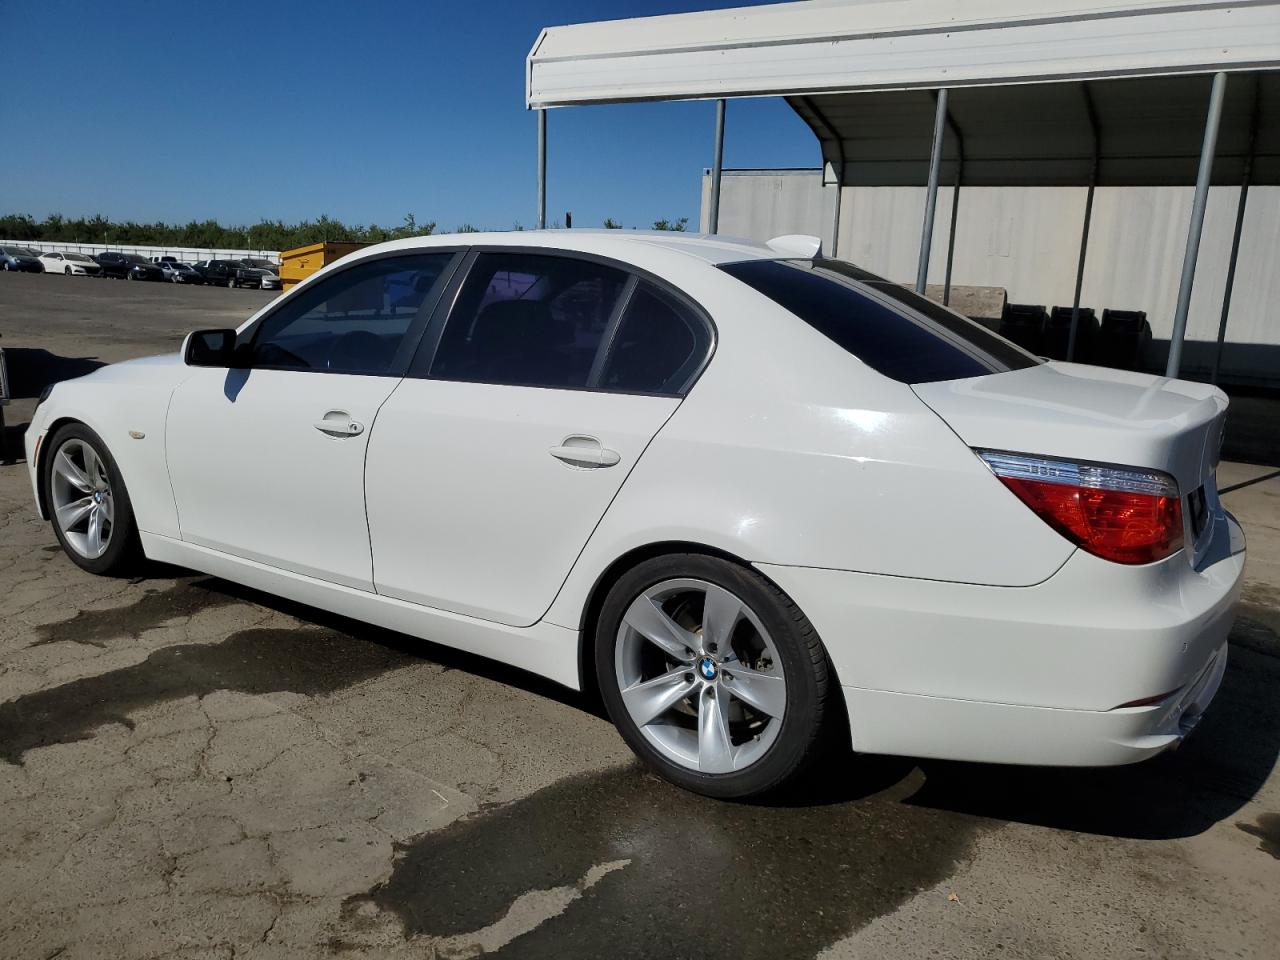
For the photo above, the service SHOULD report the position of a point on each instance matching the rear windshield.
(903, 336)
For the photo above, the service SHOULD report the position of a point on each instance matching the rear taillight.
(1125, 514)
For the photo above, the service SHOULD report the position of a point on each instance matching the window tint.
(351, 322)
(528, 320)
(659, 345)
(918, 347)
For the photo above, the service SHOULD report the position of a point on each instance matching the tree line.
(264, 235)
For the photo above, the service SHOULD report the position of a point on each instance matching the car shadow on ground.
(1180, 794)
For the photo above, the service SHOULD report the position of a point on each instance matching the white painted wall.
(184, 254)
(1026, 239)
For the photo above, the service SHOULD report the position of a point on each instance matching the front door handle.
(338, 423)
(581, 451)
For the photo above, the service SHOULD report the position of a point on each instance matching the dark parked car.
(122, 266)
(21, 258)
(218, 272)
(143, 269)
(256, 278)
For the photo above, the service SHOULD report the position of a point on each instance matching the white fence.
(184, 254)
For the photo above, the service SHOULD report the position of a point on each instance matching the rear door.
(521, 418)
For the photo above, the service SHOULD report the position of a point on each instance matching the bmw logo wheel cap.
(707, 667)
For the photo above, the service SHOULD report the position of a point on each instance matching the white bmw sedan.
(748, 493)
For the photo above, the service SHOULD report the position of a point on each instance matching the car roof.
(616, 243)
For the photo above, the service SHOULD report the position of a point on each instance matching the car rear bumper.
(1029, 675)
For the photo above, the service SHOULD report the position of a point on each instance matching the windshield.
(891, 329)
(78, 257)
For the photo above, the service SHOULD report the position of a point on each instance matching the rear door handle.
(582, 451)
(338, 423)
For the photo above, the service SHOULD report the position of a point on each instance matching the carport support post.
(542, 169)
(1084, 249)
(1235, 238)
(931, 196)
(1197, 224)
(713, 216)
(951, 237)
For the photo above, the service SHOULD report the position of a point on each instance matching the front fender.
(128, 413)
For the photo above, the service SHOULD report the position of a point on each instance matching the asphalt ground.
(192, 769)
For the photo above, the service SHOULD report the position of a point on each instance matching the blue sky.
(362, 111)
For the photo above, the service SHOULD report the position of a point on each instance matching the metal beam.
(1088, 217)
(542, 169)
(1235, 237)
(1207, 149)
(955, 209)
(931, 195)
(713, 219)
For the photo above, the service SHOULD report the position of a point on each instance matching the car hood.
(159, 370)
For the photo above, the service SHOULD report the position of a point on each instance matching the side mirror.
(210, 348)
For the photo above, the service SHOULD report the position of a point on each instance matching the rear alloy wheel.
(88, 503)
(712, 675)
(67, 271)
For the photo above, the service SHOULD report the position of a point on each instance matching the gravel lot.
(191, 769)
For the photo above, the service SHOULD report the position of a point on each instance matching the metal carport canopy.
(861, 74)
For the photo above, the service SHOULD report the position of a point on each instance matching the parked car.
(70, 264)
(117, 265)
(180, 272)
(745, 491)
(218, 272)
(22, 259)
(256, 278)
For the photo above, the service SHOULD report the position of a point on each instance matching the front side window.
(920, 343)
(528, 320)
(353, 321)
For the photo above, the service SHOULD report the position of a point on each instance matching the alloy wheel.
(83, 502)
(700, 676)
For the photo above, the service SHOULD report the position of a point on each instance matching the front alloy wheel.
(712, 674)
(88, 503)
(81, 496)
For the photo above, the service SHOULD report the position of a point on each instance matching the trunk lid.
(1084, 413)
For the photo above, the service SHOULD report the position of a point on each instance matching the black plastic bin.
(1121, 339)
(1024, 323)
(1057, 334)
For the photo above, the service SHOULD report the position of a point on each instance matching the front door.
(267, 462)
(496, 457)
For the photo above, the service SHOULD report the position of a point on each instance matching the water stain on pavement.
(299, 660)
(702, 877)
(156, 607)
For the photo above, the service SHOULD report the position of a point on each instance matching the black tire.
(809, 680)
(124, 550)
(67, 272)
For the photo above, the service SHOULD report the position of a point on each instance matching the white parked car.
(70, 264)
(748, 492)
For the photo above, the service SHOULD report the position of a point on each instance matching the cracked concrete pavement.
(192, 769)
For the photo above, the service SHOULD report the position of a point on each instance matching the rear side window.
(659, 346)
(528, 320)
(920, 343)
